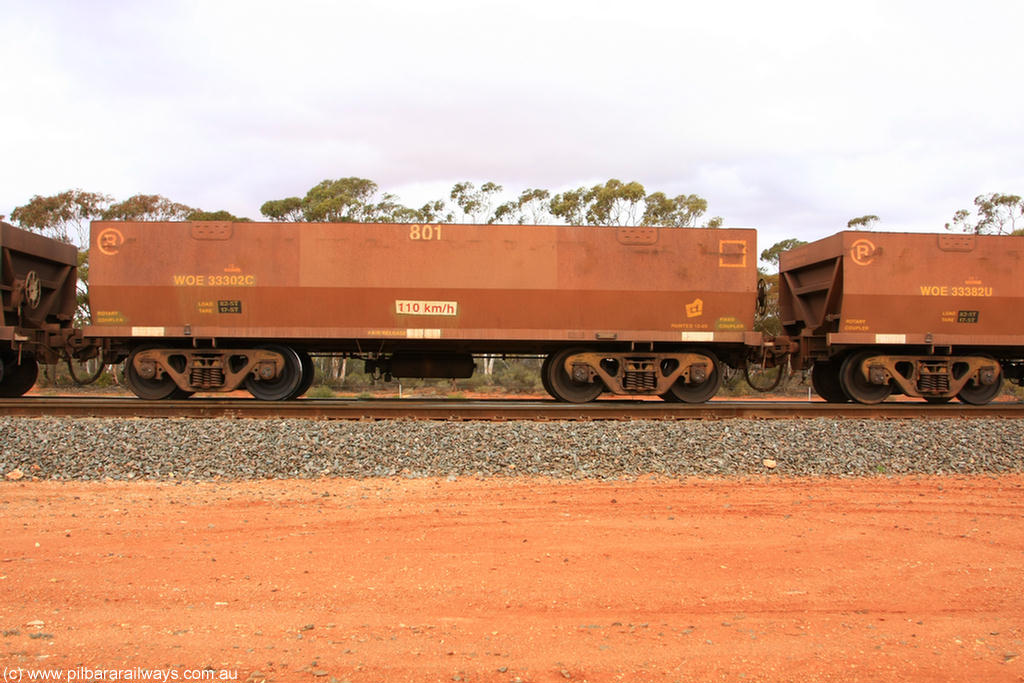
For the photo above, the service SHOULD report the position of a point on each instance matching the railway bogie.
(867, 375)
(272, 372)
(579, 375)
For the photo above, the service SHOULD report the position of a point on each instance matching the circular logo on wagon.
(863, 251)
(109, 241)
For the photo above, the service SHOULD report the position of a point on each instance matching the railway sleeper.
(194, 370)
(639, 373)
(975, 379)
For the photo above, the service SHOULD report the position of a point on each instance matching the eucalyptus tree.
(682, 211)
(64, 216)
(530, 207)
(147, 207)
(995, 213)
(862, 222)
(474, 202)
(627, 203)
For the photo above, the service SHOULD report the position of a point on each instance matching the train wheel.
(980, 394)
(825, 380)
(17, 378)
(285, 384)
(562, 386)
(698, 392)
(544, 370)
(856, 386)
(148, 389)
(308, 374)
(668, 396)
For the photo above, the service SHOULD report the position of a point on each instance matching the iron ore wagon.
(927, 315)
(209, 306)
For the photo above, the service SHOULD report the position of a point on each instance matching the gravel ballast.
(205, 449)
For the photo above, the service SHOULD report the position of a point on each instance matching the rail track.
(489, 409)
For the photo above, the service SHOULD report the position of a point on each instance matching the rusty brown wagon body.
(928, 315)
(38, 279)
(631, 310)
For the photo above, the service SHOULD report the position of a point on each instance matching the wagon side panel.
(474, 283)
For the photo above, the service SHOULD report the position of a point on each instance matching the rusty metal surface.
(906, 289)
(38, 280)
(381, 283)
(450, 409)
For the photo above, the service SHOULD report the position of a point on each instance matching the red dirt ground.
(914, 579)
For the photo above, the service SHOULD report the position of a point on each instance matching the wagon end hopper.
(38, 277)
(422, 296)
(927, 315)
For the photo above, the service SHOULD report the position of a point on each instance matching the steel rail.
(489, 409)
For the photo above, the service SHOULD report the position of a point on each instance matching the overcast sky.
(790, 117)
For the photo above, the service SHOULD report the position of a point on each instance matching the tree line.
(66, 215)
(611, 203)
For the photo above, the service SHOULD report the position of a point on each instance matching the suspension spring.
(640, 381)
(206, 378)
(934, 379)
